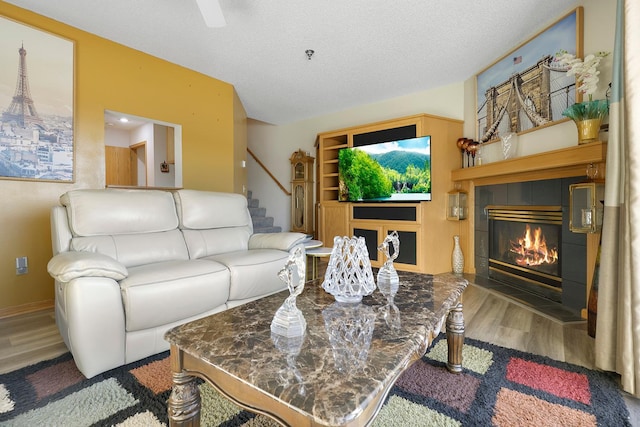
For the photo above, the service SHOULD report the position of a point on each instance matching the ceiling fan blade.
(212, 13)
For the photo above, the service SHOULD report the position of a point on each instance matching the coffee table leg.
(455, 338)
(184, 402)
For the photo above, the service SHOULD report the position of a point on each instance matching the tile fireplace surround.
(553, 192)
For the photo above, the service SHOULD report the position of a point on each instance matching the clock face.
(298, 171)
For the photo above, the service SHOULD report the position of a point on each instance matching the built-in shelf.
(565, 162)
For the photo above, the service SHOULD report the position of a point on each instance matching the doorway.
(122, 166)
(142, 152)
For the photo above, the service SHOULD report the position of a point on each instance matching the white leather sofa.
(130, 264)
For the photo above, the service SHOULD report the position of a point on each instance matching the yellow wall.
(240, 145)
(111, 76)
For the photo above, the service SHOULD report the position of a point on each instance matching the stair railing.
(287, 192)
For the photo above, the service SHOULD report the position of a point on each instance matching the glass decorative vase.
(457, 257)
(349, 277)
(588, 117)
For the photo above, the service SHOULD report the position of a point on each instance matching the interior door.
(118, 166)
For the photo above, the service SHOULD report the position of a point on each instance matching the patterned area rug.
(498, 386)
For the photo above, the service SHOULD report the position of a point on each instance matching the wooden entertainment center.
(426, 236)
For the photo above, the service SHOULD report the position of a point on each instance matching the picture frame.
(36, 104)
(523, 91)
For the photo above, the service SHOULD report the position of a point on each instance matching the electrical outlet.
(22, 265)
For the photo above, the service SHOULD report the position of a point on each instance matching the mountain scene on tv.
(390, 171)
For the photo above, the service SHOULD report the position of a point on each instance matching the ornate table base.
(455, 338)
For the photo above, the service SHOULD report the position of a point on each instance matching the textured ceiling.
(365, 50)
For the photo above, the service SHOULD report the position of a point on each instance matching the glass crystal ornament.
(350, 329)
(349, 277)
(288, 320)
(388, 273)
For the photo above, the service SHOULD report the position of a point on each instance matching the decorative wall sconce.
(586, 204)
(457, 208)
(586, 207)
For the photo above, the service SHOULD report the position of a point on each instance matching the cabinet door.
(372, 235)
(333, 219)
(410, 257)
(374, 232)
(298, 202)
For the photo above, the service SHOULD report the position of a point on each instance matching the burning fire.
(531, 249)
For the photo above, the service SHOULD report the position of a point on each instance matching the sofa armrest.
(67, 266)
(283, 241)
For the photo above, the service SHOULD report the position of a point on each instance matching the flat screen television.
(395, 171)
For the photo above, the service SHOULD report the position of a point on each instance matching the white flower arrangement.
(586, 71)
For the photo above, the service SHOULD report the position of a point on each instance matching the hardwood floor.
(30, 338)
(499, 320)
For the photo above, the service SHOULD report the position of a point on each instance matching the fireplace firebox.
(525, 248)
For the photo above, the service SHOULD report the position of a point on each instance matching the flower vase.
(588, 117)
(457, 257)
(588, 130)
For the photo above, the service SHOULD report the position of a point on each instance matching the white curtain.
(618, 319)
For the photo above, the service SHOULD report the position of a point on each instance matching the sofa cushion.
(161, 293)
(212, 222)
(200, 210)
(136, 249)
(203, 243)
(253, 273)
(94, 213)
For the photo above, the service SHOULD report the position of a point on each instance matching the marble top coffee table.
(338, 374)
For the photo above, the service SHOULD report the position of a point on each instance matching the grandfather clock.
(302, 192)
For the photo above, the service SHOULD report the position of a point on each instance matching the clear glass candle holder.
(349, 277)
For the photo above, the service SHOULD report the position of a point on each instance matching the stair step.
(258, 212)
(264, 221)
(261, 222)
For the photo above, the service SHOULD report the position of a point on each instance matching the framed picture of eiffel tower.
(526, 90)
(36, 104)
